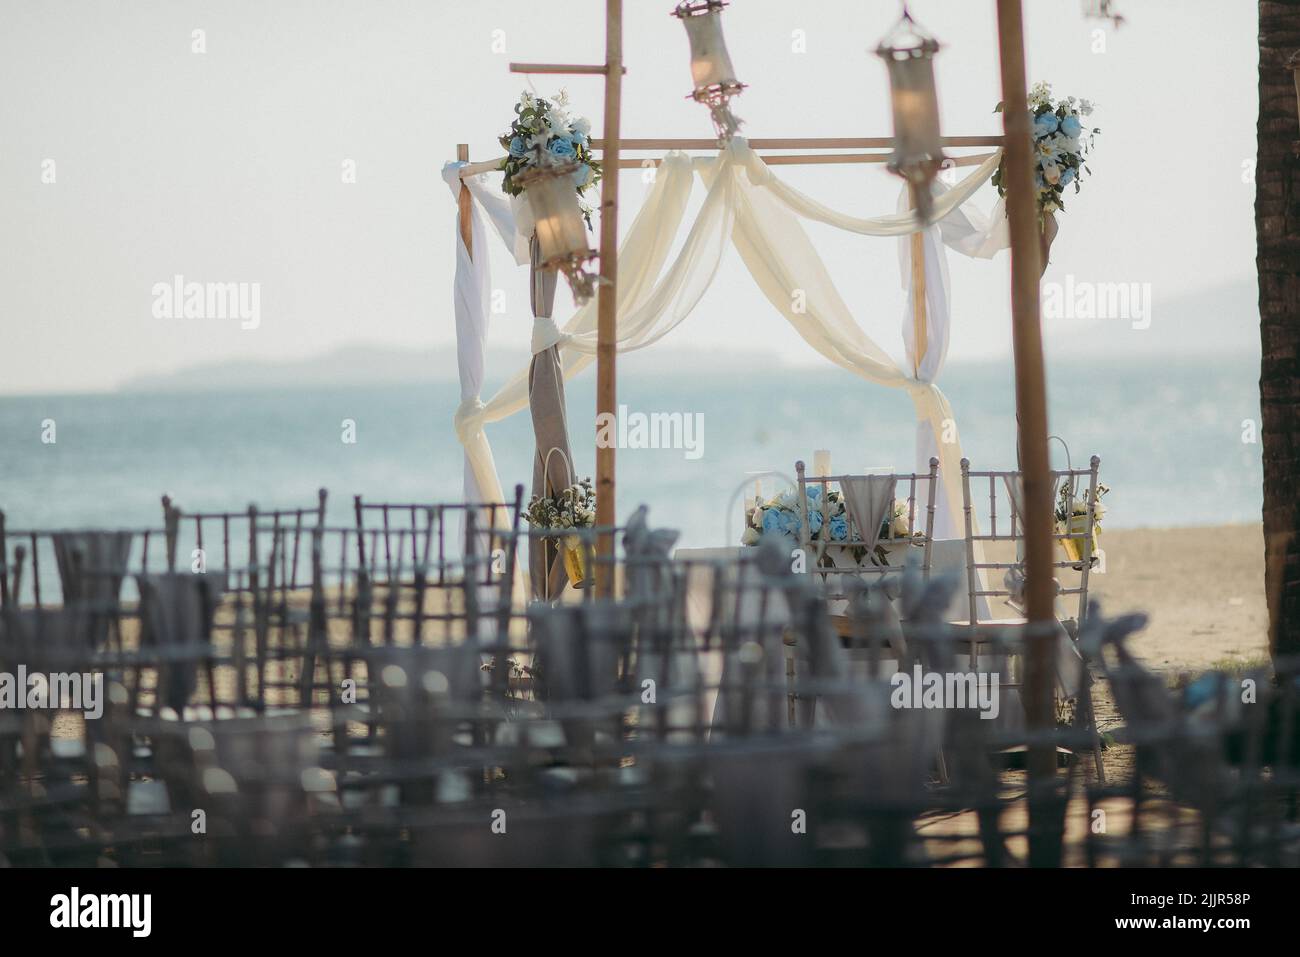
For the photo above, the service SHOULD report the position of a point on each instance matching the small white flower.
(1052, 173)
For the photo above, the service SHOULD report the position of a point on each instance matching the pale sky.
(225, 166)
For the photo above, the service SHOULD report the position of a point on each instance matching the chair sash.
(91, 568)
(868, 498)
(176, 611)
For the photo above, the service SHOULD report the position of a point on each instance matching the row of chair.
(402, 707)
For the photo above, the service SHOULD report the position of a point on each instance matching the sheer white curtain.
(471, 297)
(747, 205)
(784, 262)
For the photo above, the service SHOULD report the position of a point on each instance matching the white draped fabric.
(748, 205)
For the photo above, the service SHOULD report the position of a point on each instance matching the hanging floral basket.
(569, 509)
(575, 562)
(1078, 525)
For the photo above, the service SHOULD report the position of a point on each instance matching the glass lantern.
(908, 53)
(559, 224)
(712, 74)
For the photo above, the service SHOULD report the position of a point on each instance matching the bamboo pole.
(607, 307)
(573, 68)
(918, 293)
(465, 204)
(1031, 413)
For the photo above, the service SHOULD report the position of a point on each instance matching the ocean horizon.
(1175, 441)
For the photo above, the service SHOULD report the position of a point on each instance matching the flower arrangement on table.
(780, 516)
(1061, 144)
(569, 508)
(897, 525)
(544, 131)
(1072, 519)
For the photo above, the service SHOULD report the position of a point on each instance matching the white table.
(947, 556)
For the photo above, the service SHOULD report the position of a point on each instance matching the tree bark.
(1277, 225)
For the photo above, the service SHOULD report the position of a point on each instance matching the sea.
(1178, 440)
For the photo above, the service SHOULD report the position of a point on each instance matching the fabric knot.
(755, 168)
(451, 174)
(546, 334)
(469, 418)
(916, 388)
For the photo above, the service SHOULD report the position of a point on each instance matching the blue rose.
(580, 138)
(1071, 126)
(814, 521)
(790, 523)
(1046, 125)
(580, 175)
(562, 148)
(771, 520)
(839, 529)
(1067, 177)
(517, 148)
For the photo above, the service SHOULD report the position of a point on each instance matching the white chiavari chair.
(849, 542)
(992, 634)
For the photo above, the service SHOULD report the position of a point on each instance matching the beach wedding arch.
(670, 252)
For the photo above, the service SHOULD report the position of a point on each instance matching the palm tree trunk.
(1277, 225)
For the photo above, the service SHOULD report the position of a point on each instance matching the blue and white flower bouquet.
(780, 516)
(544, 131)
(1061, 145)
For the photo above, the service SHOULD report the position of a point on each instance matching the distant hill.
(1223, 321)
(1219, 321)
(357, 365)
(368, 365)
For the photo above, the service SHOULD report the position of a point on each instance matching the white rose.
(750, 537)
(1052, 173)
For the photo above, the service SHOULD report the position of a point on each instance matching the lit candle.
(822, 462)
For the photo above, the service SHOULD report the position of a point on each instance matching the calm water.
(1170, 440)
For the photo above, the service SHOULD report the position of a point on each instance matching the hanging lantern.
(711, 71)
(908, 52)
(1102, 10)
(559, 224)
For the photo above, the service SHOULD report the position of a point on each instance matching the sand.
(1202, 588)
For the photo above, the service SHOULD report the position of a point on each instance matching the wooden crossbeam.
(795, 143)
(771, 159)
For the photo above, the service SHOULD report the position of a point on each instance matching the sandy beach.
(1202, 588)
